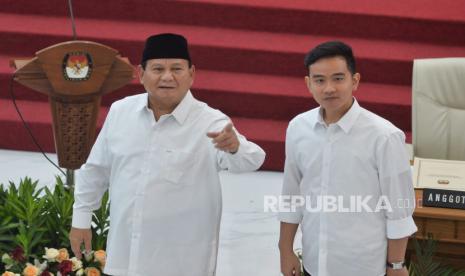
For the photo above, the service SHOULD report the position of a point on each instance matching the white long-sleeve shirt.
(164, 187)
(361, 156)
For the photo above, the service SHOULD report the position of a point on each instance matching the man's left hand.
(225, 140)
(400, 272)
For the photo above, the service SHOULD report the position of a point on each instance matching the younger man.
(342, 154)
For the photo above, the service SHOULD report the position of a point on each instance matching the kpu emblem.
(77, 66)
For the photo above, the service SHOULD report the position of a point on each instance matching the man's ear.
(140, 72)
(192, 71)
(307, 83)
(192, 74)
(356, 80)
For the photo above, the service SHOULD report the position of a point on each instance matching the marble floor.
(248, 237)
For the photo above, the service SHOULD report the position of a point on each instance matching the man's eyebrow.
(317, 76)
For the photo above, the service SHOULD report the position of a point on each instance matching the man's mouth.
(330, 98)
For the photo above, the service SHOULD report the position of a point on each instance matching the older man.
(159, 153)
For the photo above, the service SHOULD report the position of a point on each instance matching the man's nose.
(329, 87)
(167, 75)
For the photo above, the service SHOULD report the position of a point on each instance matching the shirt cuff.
(249, 157)
(400, 228)
(81, 220)
(290, 217)
(239, 152)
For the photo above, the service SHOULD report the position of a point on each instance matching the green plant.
(6, 227)
(33, 218)
(6, 224)
(425, 264)
(59, 214)
(24, 206)
(101, 224)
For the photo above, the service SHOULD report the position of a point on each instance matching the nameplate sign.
(443, 198)
(439, 174)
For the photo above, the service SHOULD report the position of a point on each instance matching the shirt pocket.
(175, 166)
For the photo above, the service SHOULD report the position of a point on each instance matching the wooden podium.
(74, 75)
(447, 226)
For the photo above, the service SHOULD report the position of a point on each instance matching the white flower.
(51, 254)
(6, 259)
(77, 264)
(89, 255)
(41, 266)
(80, 272)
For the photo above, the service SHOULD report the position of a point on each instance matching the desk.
(447, 226)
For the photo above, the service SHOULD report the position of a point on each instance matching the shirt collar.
(179, 113)
(143, 103)
(319, 118)
(346, 122)
(182, 110)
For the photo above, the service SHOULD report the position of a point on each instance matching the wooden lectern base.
(447, 226)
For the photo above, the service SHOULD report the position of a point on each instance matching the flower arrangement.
(33, 218)
(54, 262)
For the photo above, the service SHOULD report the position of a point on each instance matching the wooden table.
(447, 226)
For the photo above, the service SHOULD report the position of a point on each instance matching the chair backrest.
(438, 108)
